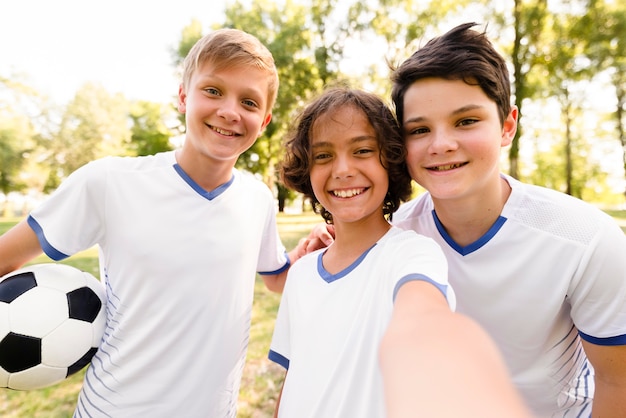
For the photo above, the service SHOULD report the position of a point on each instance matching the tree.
(564, 64)
(11, 157)
(605, 27)
(150, 133)
(95, 124)
(23, 113)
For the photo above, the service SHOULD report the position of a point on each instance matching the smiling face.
(454, 136)
(347, 175)
(226, 111)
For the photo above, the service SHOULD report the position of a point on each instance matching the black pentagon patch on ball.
(14, 286)
(19, 352)
(84, 304)
(82, 362)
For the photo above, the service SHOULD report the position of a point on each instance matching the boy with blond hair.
(181, 235)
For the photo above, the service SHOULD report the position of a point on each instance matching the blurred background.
(84, 79)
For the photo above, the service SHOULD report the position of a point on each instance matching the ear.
(266, 121)
(182, 99)
(509, 127)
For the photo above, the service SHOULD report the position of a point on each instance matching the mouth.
(223, 132)
(347, 193)
(445, 167)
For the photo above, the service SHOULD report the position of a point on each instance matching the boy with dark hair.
(544, 273)
(366, 327)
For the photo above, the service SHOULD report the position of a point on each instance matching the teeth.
(445, 167)
(347, 193)
(223, 132)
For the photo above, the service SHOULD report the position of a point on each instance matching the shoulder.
(415, 214)
(251, 183)
(554, 212)
(403, 241)
(414, 207)
(164, 159)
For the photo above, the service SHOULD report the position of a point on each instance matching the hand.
(321, 236)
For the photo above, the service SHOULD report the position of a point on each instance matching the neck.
(207, 173)
(468, 219)
(351, 240)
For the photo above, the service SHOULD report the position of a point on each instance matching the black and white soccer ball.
(52, 318)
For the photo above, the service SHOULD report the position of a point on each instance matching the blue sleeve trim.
(279, 358)
(617, 340)
(412, 277)
(280, 270)
(50, 251)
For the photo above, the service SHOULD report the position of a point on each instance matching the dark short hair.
(296, 165)
(460, 54)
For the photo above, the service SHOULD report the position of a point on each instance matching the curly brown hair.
(296, 165)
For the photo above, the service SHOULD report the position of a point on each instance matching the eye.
(364, 151)
(249, 103)
(321, 157)
(467, 121)
(212, 91)
(420, 130)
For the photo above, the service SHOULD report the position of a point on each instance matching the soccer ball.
(52, 318)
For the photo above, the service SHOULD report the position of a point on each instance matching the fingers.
(321, 236)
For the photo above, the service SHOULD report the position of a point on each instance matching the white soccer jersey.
(179, 266)
(552, 269)
(329, 326)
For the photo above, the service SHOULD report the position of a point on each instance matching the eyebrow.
(455, 112)
(356, 139)
(249, 91)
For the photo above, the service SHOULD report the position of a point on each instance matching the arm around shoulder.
(320, 236)
(438, 363)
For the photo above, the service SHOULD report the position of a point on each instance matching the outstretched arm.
(436, 363)
(18, 246)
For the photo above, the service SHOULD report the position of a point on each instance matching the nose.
(229, 110)
(442, 141)
(342, 167)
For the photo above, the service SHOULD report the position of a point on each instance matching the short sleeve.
(598, 293)
(70, 220)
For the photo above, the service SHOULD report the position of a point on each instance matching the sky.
(56, 46)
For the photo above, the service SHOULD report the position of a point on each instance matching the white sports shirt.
(550, 271)
(329, 326)
(179, 267)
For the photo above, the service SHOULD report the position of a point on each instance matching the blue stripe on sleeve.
(617, 340)
(411, 277)
(50, 251)
(280, 270)
(279, 358)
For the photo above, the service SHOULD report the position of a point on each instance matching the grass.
(261, 378)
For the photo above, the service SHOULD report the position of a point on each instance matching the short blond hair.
(229, 47)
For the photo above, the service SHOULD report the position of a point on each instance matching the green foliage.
(95, 124)
(11, 156)
(554, 49)
(20, 110)
(150, 135)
